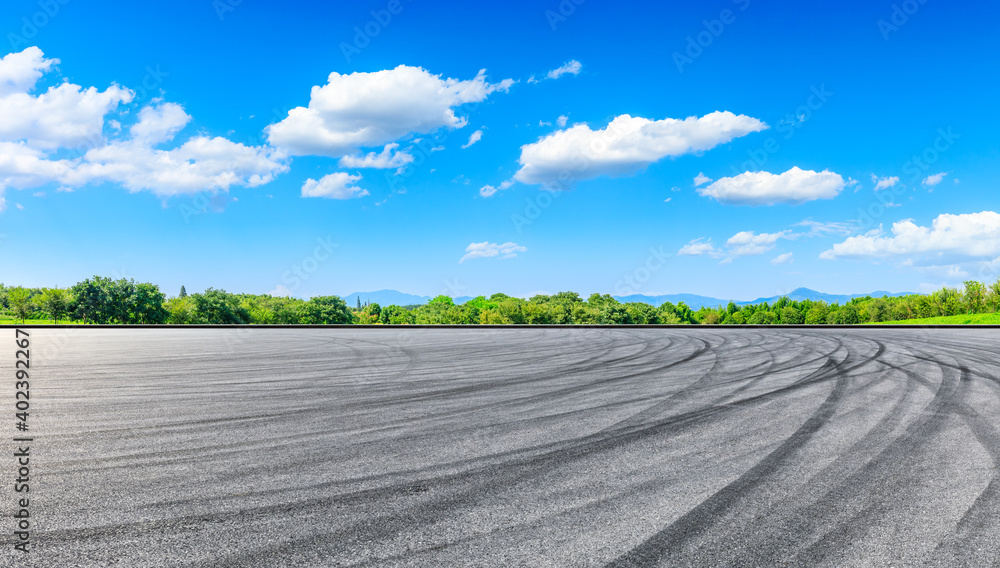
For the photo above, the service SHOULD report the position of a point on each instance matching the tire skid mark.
(662, 545)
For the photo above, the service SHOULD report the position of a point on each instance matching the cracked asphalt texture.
(510, 447)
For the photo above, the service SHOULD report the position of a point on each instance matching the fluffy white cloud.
(744, 243)
(473, 138)
(561, 121)
(764, 188)
(971, 235)
(884, 182)
(158, 124)
(363, 110)
(489, 190)
(701, 179)
(490, 250)
(934, 179)
(783, 259)
(19, 72)
(627, 145)
(64, 116)
(699, 247)
(572, 67)
(22, 167)
(747, 243)
(33, 128)
(388, 159)
(200, 164)
(339, 185)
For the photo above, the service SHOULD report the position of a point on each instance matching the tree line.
(102, 300)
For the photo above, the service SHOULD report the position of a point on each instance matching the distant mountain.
(800, 294)
(694, 301)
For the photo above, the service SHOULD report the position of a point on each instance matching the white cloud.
(489, 190)
(490, 250)
(473, 138)
(783, 259)
(64, 116)
(699, 247)
(22, 167)
(364, 110)
(884, 182)
(821, 229)
(68, 117)
(339, 185)
(627, 145)
(747, 243)
(280, 292)
(572, 67)
(934, 179)
(158, 124)
(971, 235)
(200, 164)
(561, 121)
(386, 160)
(764, 188)
(19, 72)
(701, 179)
(744, 243)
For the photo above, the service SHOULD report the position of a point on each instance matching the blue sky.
(164, 145)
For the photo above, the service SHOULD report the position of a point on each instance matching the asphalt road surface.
(509, 447)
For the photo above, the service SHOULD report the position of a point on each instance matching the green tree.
(993, 297)
(218, 307)
(711, 318)
(183, 294)
(817, 314)
(146, 304)
(642, 313)
(20, 302)
(92, 300)
(791, 316)
(180, 311)
(396, 315)
(612, 313)
(735, 318)
(492, 316)
(442, 299)
(762, 317)
(328, 310)
(476, 306)
(975, 296)
(877, 310)
(848, 315)
(370, 315)
(55, 302)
